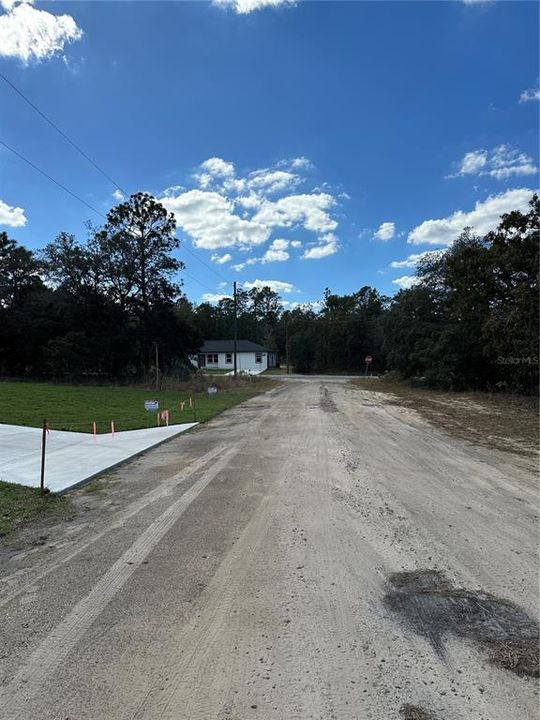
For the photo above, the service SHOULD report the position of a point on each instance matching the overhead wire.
(63, 134)
(49, 177)
(185, 246)
(192, 277)
(93, 163)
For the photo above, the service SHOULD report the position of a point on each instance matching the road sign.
(368, 359)
(212, 390)
(151, 405)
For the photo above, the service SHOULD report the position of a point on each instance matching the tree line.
(97, 310)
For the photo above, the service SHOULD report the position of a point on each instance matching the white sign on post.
(212, 390)
(151, 405)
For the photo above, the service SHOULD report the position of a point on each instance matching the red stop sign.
(368, 359)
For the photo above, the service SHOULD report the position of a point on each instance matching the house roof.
(217, 346)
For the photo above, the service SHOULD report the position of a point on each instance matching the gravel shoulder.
(315, 552)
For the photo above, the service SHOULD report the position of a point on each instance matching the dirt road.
(312, 553)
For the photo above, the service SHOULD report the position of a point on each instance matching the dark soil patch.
(414, 712)
(326, 402)
(521, 658)
(430, 604)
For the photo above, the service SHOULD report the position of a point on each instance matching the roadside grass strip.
(19, 504)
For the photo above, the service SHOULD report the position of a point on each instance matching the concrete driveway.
(71, 457)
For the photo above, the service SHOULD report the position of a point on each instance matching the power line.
(185, 246)
(80, 199)
(63, 134)
(191, 277)
(49, 177)
(92, 162)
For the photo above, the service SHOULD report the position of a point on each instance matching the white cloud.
(217, 167)
(11, 216)
(501, 163)
(280, 244)
(296, 244)
(31, 34)
(244, 7)
(214, 298)
(242, 265)
(386, 231)
(275, 285)
(250, 202)
(473, 162)
(173, 190)
(209, 218)
(328, 246)
(484, 217)
(272, 181)
(315, 305)
(412, 260)
(310, 210)
(226, 210)
(529, 95)
(213, 171)
(301, 163)
(222, 259)
(405, 282)
(277, 252)
(506, 162)
(117, 195)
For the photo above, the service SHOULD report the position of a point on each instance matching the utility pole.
(287, 344)
(235, 328)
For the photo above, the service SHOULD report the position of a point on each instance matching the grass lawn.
(19, 504)
(277, 371)
(216, 371)
(76, 407)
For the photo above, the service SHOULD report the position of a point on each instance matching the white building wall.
(245, 361)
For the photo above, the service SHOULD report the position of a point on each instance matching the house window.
(258, 358)
(212, 359)
(228, 358)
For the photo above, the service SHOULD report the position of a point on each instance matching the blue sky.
(311, 144)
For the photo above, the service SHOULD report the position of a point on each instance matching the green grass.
(75, 407)
(19, 504)
(216, 371)
(277, 371)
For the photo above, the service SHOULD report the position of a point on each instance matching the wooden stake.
(43, 444)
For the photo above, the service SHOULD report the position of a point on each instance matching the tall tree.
(136, 246)
(510, 332)
(75, 268)
(19, 272)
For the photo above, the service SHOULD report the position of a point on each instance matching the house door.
(202, 360)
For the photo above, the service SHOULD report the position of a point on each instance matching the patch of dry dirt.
(505, 422)
(414, 712)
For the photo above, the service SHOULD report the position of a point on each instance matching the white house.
(250, 357)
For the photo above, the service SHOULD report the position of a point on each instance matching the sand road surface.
(311, 553)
